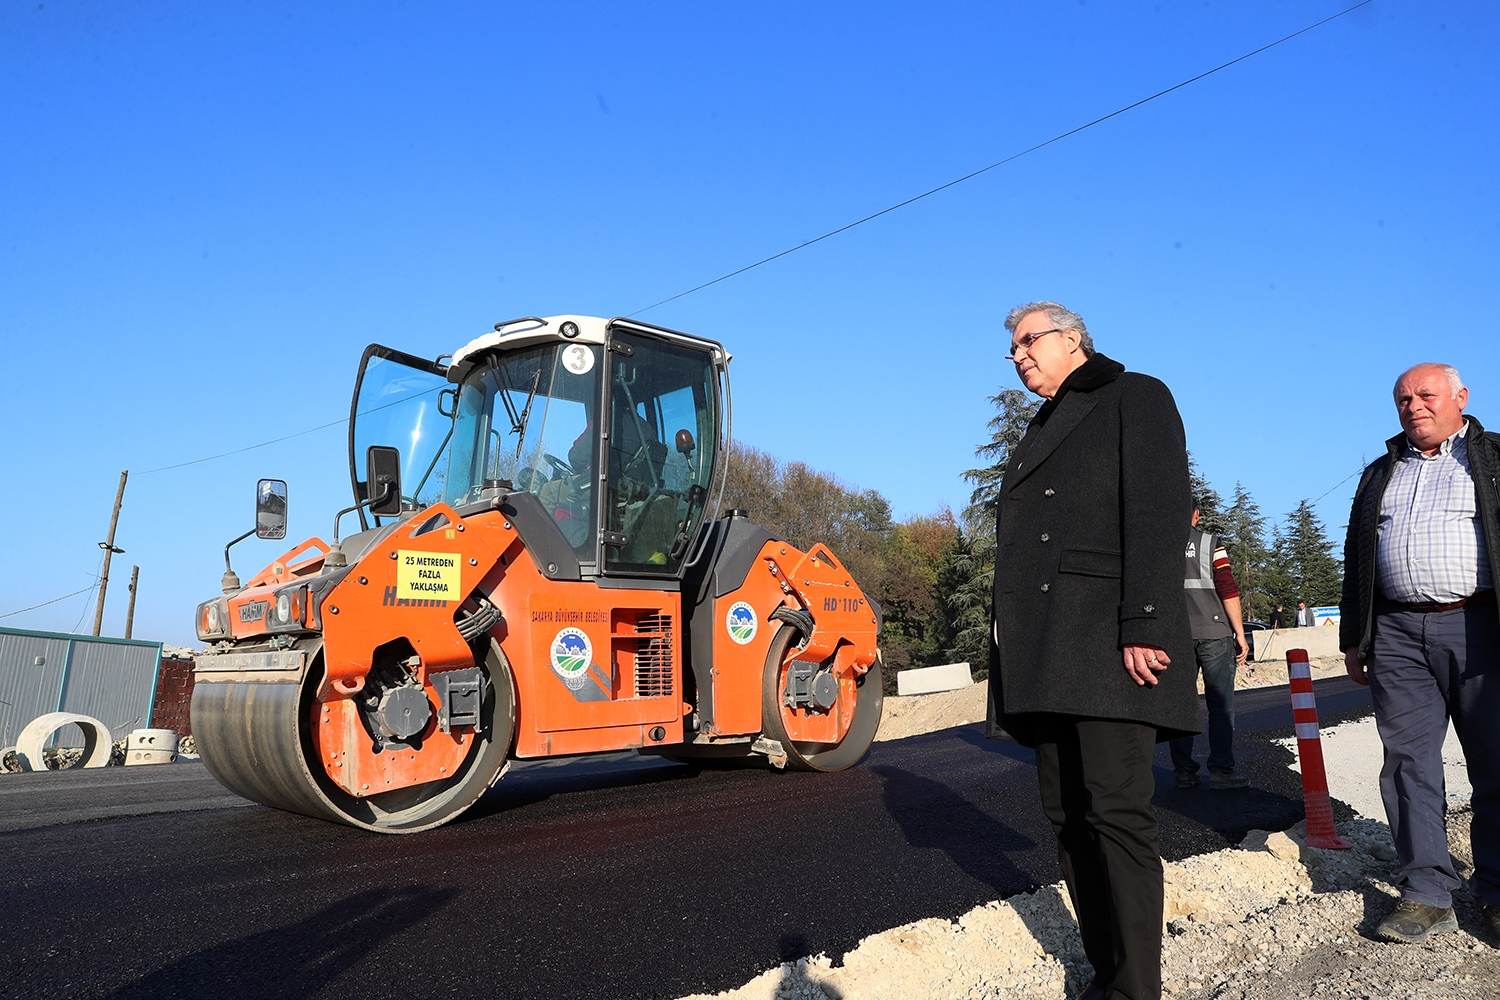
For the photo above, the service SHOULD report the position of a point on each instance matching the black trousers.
(1096, 783)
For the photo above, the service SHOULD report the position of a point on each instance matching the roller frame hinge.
(460, 698)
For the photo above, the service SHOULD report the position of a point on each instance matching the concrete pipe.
(96, 742)
(150, 746)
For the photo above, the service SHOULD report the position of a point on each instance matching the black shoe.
(1491, 914)
(1227, 779)
(1186, 778)
(1413, 922)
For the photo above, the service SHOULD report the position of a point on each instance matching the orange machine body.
(594, 669)
(386, 686)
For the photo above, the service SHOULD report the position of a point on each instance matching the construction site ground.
(1271, 920)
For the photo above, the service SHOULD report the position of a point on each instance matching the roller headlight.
(283, 608)
(209, 624)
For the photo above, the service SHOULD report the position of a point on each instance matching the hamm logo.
(571, 653)
(741, 622)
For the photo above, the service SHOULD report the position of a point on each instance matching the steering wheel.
(562, 467)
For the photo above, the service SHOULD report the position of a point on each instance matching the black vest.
(1205, 611)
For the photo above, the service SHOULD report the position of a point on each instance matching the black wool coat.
(1093, 517)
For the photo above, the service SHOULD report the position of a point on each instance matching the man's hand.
(1356, 666)
(1143, 663)
(1244, 649)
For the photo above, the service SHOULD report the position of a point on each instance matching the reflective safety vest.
(1205, 611)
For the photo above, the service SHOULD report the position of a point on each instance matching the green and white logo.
(741, 622)
(571, 653)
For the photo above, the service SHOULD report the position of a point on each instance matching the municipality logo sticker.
(741, 623)
(571, 653)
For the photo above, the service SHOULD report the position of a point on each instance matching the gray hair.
(1059, 316)
(1455, 384)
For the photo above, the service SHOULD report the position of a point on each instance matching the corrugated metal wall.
(112, 680)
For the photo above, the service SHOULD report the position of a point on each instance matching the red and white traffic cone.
(1315, 801)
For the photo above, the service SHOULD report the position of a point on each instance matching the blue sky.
(208, 210)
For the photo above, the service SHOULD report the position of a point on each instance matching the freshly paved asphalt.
(611, 878)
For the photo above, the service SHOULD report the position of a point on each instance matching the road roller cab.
(538, 570)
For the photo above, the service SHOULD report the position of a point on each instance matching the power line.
(845, 228)
(1341, 482)
(237, 451)
(12, 614)
(97, 574)
(999, 163)
(334, 423)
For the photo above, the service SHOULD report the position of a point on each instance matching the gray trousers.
(1425, 669)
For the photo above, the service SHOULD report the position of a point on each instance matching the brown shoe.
(1412, 922)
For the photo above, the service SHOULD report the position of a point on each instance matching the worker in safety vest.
(1213, 602)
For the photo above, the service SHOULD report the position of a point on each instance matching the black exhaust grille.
(653, 656)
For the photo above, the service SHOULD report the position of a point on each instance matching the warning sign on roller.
(428, 576)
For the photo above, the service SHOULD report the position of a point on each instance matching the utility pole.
(135, 574)
(109, 550)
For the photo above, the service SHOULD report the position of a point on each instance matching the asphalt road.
(610, 878)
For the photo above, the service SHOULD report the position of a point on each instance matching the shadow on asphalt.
(933, 815)
(317, 950)
(527, 786)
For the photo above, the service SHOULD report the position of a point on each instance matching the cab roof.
(529, 330)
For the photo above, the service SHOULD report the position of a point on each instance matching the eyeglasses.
(1024, 344)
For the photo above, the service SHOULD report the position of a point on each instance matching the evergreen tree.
(968, 581)
(1015, 409)
(968, 571)
(1305, 557)
(1244, 534)
(1211, 514)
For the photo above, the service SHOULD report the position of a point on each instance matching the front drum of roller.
(256, 738)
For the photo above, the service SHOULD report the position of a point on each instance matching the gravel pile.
(1273, 920)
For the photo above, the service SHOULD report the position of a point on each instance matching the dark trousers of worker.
(1216, 662)
(1096, 783)
(1423, 670)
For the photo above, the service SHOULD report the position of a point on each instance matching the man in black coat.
(1088, 615)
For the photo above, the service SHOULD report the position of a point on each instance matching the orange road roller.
(540, 570)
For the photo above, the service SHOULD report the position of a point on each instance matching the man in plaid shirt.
(1419, 625)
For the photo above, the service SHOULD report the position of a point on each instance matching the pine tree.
(1305, 556)
(960, 631)
(1211, 515)
(1244, 534)
(1015, 410)
(966, 577)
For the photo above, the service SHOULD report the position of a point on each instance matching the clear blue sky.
(208, 210)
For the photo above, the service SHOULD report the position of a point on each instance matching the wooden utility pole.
(109, 550)
(135, 574)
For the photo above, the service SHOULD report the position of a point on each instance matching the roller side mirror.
(270, 509)
(383, 469)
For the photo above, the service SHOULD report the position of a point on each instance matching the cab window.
(663, 432)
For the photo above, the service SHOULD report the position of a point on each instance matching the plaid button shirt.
(1429, 543)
